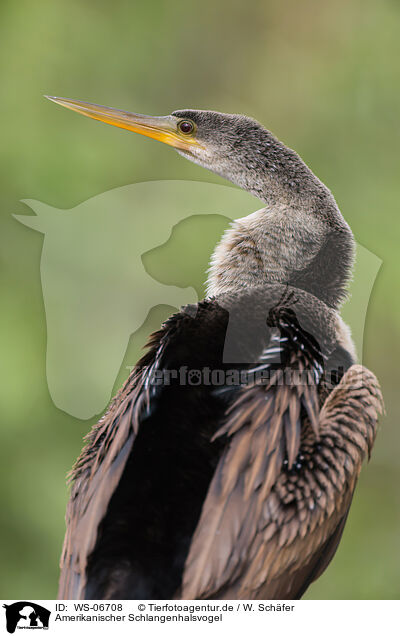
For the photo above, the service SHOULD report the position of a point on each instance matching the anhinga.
(239, 489)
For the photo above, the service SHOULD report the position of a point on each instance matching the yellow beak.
(161, 128)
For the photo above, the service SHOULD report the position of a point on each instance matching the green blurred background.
(324, 76)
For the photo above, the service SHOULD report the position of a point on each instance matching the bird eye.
(186, 127)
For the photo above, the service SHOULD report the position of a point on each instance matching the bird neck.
(299, 238)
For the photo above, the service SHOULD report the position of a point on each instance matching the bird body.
(226, 465)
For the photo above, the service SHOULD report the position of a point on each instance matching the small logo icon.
(26, 615)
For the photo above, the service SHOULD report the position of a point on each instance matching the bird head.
(224, 140)
(216, 141)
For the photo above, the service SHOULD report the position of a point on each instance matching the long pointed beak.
(161, 128)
